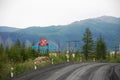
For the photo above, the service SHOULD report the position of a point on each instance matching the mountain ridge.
(8, 29)
(109, 29)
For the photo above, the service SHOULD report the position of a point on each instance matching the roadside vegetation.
(21, 58)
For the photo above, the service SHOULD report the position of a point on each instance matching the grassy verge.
(29, 64)
(19, 68)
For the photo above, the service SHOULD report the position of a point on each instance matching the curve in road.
(74, 71)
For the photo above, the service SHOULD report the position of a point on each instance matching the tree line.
(17, 53)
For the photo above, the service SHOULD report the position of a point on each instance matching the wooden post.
(93, 59)
(67, 55)
(80, 59)
(12, 75)
(73, 55)
(52, 61)
(35, 67)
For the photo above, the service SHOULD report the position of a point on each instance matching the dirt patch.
(42, 59)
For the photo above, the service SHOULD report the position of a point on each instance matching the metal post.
(75, 46)
(58, 47)
(115, 51)
(68, 46)
(39, 49)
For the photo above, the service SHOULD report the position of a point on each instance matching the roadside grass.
(28, 65)
(113, 59)
(22, 67)
(19, 68)
(59, 58)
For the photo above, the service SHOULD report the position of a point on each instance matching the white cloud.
(24, 13)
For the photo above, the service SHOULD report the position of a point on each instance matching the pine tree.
(88, 43)
(100, 49)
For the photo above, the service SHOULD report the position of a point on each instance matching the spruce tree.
(88, 43)
(100, 49)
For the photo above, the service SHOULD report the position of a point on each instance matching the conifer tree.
(100, 49)
(88, 43)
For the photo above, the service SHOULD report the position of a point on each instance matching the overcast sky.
(25, 13)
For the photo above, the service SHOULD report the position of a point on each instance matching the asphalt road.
(74, 71)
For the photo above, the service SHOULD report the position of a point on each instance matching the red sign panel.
(43, 42)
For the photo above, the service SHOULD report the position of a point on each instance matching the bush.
(23, 67)
(59, 58)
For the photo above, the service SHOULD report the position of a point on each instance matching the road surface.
(74, 71)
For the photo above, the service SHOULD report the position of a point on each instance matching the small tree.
(88, 43)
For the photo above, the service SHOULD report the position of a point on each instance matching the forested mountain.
(107, 26)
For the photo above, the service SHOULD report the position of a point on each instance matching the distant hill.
(8, 29)
(107, 26)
